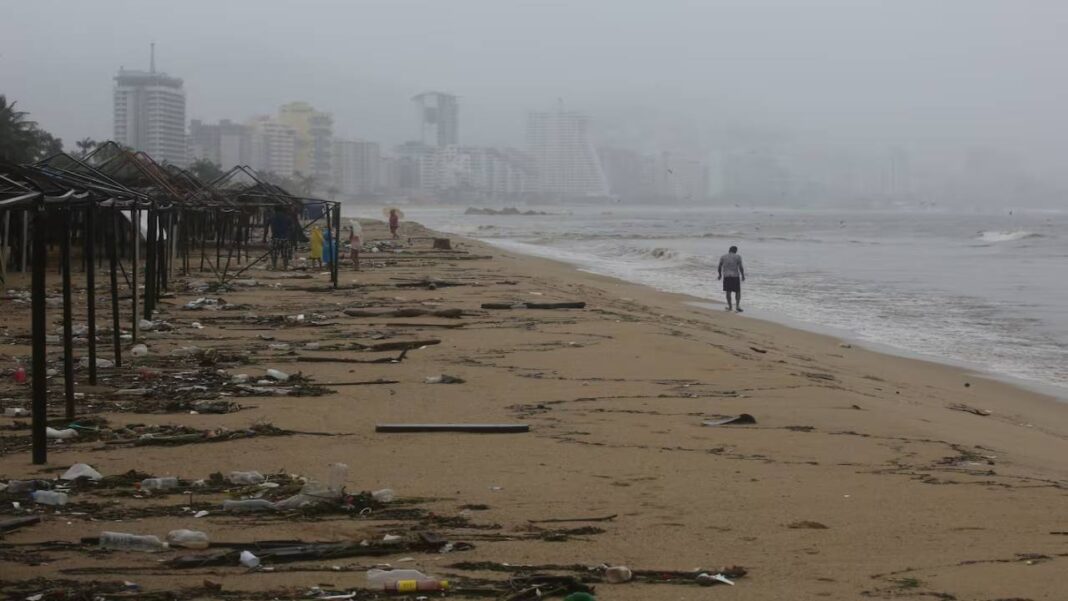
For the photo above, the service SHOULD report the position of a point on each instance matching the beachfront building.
(149, 114)
(438, 116)
(680, 178)
(561, 149)
(357, 167)
(315, 140)
(226, 144)
(273, 146)
(472, 173)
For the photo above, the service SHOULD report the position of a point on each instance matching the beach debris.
(249, 560)
(618, 574)
(248, 505)
(473, 428)
(49, 497)
(139, 350)
(245, 478)
(64, 434)
(401, 345)
(603, 518)
(444, 379)
(16, 523)
(100, 363)
(383, 495)
(81, 470)
(166, 483)
(806, 524)
(122, 541)
(710, 579)
(734, 420)
(205, 303)
(526, 305)
(970, 409)
(189, 539)
(278, 375)
(404, 581)
(758, 350)
(410, 312)
(16, 412)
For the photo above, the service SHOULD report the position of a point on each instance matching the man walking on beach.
(733, 274)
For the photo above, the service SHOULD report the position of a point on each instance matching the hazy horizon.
(937, 79)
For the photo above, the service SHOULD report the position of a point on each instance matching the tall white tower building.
(567, 163)
(150, 114)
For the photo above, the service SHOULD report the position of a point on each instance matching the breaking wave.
(996, 236)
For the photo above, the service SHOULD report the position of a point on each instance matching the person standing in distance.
(732, 273)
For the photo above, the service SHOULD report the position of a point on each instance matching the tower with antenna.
(149, 112)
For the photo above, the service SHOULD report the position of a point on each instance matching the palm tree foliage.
(21, 140)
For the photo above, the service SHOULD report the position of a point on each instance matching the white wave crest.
(997, 236)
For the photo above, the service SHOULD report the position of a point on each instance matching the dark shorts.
(732, 284)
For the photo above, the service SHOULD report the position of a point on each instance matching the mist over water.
(986, 291)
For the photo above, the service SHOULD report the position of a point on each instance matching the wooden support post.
(337, 243)
(135, 228)
(151, 252)
(113, 260)
(90, 286)
(38, 326)
(68, 335)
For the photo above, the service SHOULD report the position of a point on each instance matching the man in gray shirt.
(733, 274)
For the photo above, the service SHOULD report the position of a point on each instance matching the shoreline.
(859, 477)
(1054, 391)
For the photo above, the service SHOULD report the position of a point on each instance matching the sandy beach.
(864, 476)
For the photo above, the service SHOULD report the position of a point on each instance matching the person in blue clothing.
(281, 223)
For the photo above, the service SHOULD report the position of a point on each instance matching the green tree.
(85, 146)
(21, 140)
(205, 170)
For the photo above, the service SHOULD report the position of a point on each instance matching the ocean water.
(989, 292)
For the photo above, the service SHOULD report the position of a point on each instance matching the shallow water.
(987, 291)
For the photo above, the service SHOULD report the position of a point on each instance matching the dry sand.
(857, 481)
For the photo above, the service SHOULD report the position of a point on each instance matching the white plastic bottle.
(248, 505)
(384, 495)
(245, 478)
(189, 539)
(122, 541)
(159, 483)
(339, 474)
(49, 497)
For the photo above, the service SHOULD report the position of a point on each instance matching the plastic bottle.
(139, 350)
(384, 495)
(248, 505)
(190, 539)
(387, 580)
(276, 374)
(245, 478)
(159, 483)
(416, 586)
(121, 541)
(339, 474)
(20, 375)
(49, 497)
(63, 434)
(618, 574)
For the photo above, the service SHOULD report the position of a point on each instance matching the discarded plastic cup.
(249, 560)
(339, 474)
(139, 350)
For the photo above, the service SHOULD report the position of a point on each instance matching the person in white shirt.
(732, 273)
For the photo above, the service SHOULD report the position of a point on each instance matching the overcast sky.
(911, 72)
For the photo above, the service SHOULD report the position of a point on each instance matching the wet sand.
(858, 480)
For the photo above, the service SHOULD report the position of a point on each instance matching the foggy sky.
(918, 73)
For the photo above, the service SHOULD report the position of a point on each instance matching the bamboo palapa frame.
(130, 203)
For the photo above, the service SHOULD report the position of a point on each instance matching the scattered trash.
(245, 478)
(81, 470)
(618, 574)
(49, 497)
(20, 374)
(249, 560)
(278, 346)
(391, 539)
(239, 378)
(139, 350)
(100, 363)
(196, 325)
(806, 524)
(189, 539)
(64, 434)
(159, 483)
(122, 541)
(758, 350)
(311, 346)
(205, 303)
(743, 418)
(478, 428)
(248, 505)
(201, 513)
(710, 579)
(278, 375)
(970, 409)
(16, 412)
(444, 379)
(384, 495)
(522, 305)
(16, 523)
(339, 475)
(404, 581)
(186, 351)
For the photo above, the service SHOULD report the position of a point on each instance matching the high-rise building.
(567, 164)
(315, 140)
(273, 146)
(227, 144)
(356, 166)
(438, 115)
(149, 114)
(681, 178)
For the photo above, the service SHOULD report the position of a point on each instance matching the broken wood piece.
(311, 359)
(362, 383)
(560, 305)
(477, 428)
(606, 518)
(969, 409)
(16, 523)
(732, 420)
(409, 312)
(402, 345)
(400, 324)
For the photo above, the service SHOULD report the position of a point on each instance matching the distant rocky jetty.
(506, 211)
